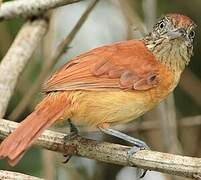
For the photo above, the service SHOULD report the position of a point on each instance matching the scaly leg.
(73, 134)
(138, 144)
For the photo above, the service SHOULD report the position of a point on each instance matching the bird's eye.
(192, 34)
(162, 25)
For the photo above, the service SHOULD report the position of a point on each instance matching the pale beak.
(176, 34)
(179, 33)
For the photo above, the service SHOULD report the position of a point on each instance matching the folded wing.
(126, 65)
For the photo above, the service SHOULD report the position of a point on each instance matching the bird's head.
(172, 39)
(175, 27)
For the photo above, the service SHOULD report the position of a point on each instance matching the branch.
(16, 58)
(51, 62)
(24, 8)
(14, 175)
(113, 153)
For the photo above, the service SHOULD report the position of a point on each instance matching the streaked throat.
(175, 54)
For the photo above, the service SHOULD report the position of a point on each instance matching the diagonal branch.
(14, 175)
(113, 153)
(17, 56)
(24, 8)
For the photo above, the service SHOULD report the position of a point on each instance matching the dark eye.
(161, 25)
(192, 34)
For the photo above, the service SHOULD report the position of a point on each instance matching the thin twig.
(24, 8)
(62, 47)
(113, 153)
(16, 58)
(15, 175)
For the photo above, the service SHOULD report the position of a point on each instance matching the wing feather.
(126, 65)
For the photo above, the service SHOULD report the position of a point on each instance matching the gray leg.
(138, 144)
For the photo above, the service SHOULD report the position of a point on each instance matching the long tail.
(46, 113)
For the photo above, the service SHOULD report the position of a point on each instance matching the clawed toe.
(131, 152)
(134, 150)
(68, 157)
(73, 134)
(70, 137)
(144, 172)
(138, 144)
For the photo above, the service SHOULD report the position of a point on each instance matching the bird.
(109, 85)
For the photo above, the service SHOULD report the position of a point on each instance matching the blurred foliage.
(27, 163)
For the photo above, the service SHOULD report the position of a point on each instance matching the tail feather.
(46, 113)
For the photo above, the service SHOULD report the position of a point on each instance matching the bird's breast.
(96, 107)
(117, 106)
(168, 80)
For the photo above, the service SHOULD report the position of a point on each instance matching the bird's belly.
(93, 108)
